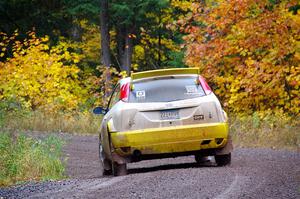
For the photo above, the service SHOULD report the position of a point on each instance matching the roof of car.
(163, 72)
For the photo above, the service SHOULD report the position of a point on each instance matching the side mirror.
(99, 111)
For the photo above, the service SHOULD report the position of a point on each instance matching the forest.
(63, 55)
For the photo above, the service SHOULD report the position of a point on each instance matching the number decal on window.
(140, 94)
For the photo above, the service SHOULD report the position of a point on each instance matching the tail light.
(124, 93)
(204, 85)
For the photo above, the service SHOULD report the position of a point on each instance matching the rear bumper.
(178, 139)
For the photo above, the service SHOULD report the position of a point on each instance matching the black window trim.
(110, 98)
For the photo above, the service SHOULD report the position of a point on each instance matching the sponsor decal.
(191, 89)
(198, 117)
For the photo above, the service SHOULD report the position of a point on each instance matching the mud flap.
(114, 156)
(107, 164)
(228, 148)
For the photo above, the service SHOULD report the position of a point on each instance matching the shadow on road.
(170, 166)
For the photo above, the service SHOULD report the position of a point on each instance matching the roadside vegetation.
(266, 129)
(29, 159)
(40, 121)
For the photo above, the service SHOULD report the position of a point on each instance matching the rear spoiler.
(164, 72)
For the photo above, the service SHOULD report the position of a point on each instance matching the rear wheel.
(223, 160)
(105, 163)
(106, 172)
(110, 167)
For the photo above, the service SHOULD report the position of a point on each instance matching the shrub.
(38, 75)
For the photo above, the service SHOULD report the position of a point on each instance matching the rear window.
(166, 90)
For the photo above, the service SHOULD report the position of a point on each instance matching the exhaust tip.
(136, 155)
(219, 140)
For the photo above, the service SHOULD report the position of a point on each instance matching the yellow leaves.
(46, 47)
(135, 67)
(244, 52)
(45, 39)
(37, 42)
(281, 102)
(183, 5)
(66, 55)
(249, 61)
(90, 41)
(297, 55)
(43, 77)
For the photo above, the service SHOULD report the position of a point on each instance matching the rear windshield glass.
(165, 90)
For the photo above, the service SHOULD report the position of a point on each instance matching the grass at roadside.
(25, 158)
(277, 131)
(78, 123)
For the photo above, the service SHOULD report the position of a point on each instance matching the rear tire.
(104, 161)
(120, 169)
(106, 172)
(223, 160)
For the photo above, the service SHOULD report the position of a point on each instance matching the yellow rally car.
(162, 113)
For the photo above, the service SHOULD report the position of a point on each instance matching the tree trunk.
(76, 31)
(105, 47)
(159, 42)
(120, 45)
(105, 38)
(125, 48)
(128, 52)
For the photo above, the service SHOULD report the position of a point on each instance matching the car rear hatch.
(169, 101)
(170, 114)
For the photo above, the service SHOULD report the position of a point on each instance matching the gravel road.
(254, 173)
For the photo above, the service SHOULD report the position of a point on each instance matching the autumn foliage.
(40, 76)
(249, 50)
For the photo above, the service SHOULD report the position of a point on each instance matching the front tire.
(223, 160)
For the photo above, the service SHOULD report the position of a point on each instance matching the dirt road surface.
(254, 173)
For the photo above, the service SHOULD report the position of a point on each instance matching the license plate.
(169, 114)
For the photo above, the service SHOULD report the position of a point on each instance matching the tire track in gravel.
(83, 188)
